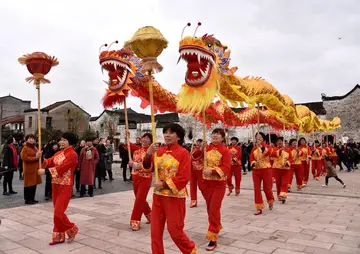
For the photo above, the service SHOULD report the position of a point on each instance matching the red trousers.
(323, 167)
(316, 168)
(213, 192)
(170, 210)
(306, 168)
(195, 181)
(61, 195)
(235, 170)
(281, 179)
(262, 175)
(141, 187)
(298, 170)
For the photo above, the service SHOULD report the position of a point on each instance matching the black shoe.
(91, 195)
(111, 179)
(100, 188)
(77, 190)
(5, 193)
(12, 192)
(29, 202)
(47, 198)
(82, 195)
(211, 246)
(36, 201)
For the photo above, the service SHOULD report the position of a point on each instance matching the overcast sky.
(292, 44)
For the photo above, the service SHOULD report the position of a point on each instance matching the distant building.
(61, 115)
(12, 115)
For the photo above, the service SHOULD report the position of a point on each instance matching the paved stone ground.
(315, 220)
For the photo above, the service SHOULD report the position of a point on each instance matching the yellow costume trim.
(53, 172)
(259, 206)
(172, 186)
(212, 236)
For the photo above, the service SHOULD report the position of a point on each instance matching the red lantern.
(38, 64)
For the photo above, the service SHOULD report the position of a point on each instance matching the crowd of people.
(209, 167)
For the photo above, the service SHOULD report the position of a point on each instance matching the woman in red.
(197, 166)
(62, 166)
(260, 162)
(141, 179)
(305, 156)
(236, 155)
(174, 167)
(281, 169)
(316, 165)
(333, 154)
(296, 165)
(218, 159)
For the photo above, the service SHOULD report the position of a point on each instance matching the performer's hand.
(207, 173)
(159, 185)
(38, 155)
(153, 148)
(41, 171)
(131, 163)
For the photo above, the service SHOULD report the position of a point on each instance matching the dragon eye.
(209, 45)
(125, 56)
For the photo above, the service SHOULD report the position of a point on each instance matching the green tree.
(75, 118)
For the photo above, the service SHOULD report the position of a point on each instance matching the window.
(16, 126)
(48, 122)
(30, 122)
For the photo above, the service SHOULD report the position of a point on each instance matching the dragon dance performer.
(325, 152)
(213, 188)
(333, 154)
(316, 155)
(281, 169)
(236, 155)
(296, 165)
(170, 192)
(305, 156)
(62, 166)
(197, 166)
(261, 172)
(141, 179)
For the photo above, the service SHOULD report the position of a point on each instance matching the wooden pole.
(127, 130)
(39, 118)
(153, 125)
(193, 140)
(205, 140)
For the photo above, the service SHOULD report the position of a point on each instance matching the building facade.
(62, 116)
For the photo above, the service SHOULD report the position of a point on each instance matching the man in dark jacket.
(10, 163)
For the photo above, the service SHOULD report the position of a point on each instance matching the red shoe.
(57, 238)
(135, 225)
(229, 193)
(271, 206)
(211, 246)
(258, 212)
(72, 233)
(237, 192)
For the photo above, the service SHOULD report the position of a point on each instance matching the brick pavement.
(319, 222)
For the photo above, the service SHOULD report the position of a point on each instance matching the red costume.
(260, 160)
(62, 166)
(218, 160)
(168, 205)
(236, 155)
(197, 166)
(141, 179)
(296, 167)
(305, 155)
(333, 155)
(281, 171)
(316, 162)
(325, 153)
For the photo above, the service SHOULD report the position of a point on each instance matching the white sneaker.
(324, 185)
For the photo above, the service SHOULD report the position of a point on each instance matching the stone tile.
(287, 246)
(314, 250)
(14, 236)
(123, 249)
(88, 250)
(252, 246)
(346, 249)
(21, 250)
(310, 243)
(337, 240)
(283, 251)
(6, 244)
(62, 248)
(96, 243)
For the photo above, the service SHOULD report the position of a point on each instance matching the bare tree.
(110, 123)
(75, 118)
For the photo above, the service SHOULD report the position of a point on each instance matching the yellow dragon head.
(206, 58)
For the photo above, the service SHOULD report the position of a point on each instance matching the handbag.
(4, 170)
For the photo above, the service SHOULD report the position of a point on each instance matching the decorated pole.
(148, 43)
(38, 64)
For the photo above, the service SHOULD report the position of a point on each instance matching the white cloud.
(292, 44)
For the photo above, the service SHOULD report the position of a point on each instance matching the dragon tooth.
(114, 65)
(102, 70)
(106, 82)
(178, 60)
(129, 70)
(202, 72)
(119, 79)
(199, 57)
(212, 61)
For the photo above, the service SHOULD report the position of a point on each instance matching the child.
(331, 172)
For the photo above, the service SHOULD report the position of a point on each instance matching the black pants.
(109, 171)
(336, 178)
(124, 168)
(20, 172)
(8, 178)
(48, 187)
(339, 162)
(29, 193)
(90, 190)
(77, 180)
(98, 175)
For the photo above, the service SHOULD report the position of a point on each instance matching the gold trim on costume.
(259, 206)
(53, 172)
(172, 186)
